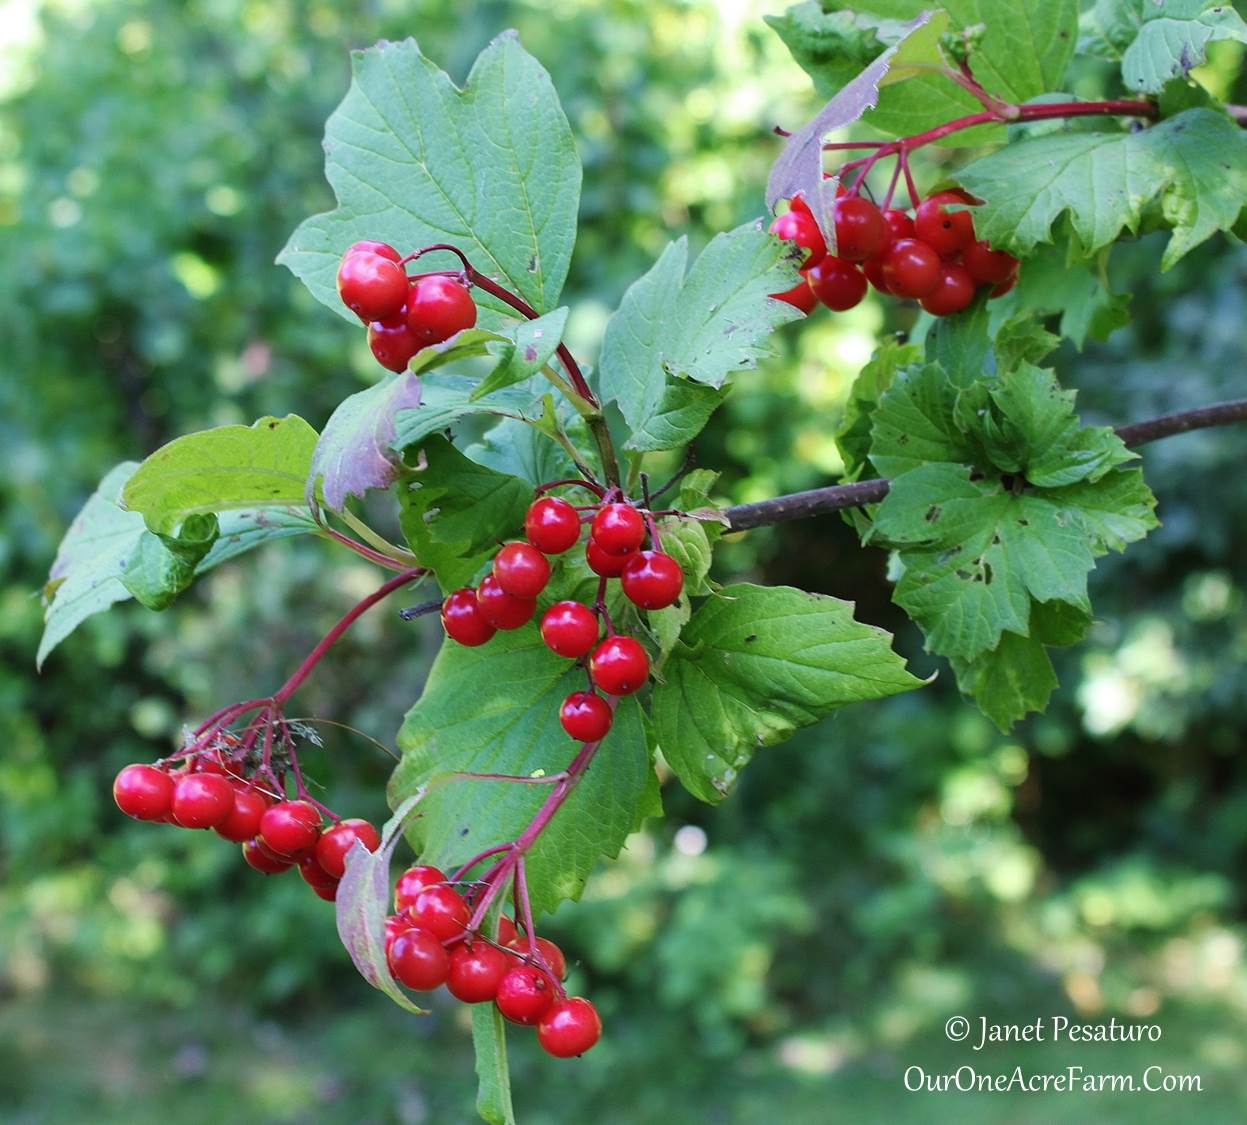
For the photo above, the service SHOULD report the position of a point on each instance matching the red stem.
(362, 550)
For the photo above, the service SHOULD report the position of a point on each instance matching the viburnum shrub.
(583, 626)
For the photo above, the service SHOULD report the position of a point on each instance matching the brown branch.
(817, 501)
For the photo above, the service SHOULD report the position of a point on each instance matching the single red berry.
(440, 910)
(555, 961)
(899, 225)
(569, 1027)
(524, 995)
(290, 828)
(418, 960)
(838, 284)
(243, 822)
(953, 293)
(944, 231)
(202, 800)
(392, 343)
(1004, 287)
(475, 972)
(911, 268)
(367, 246)
(618, 529)
(873, 269)
(987, 266)
(552, 525)
(652, 580)
(521, 570)
(800, 227)
(263, 859)
(327, 891)
(336, 842)
(500, 609)
(860, 228)
(798, 203)
(603, 563)
(395, 924)
(143, 792)
(438, 307)
(569, 628)
(506, 930)
(586, 716)
(316, 876)
(463, 620)
(619, 665)
(372, 286)
(800, 296)
(414, 880)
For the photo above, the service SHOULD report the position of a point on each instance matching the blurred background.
(783, 957)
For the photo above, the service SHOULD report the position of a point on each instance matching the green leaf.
(756, 663)
(533, 345)
(1194, 164)
(355, 453)
(445, 399)
(962, 344)
(363, 901)
(853, 438)
(519, 449)
(675, 339)
(686, 541)
(915, 423)
(455, 512)
(494, 709)
(230, 467)
(493, 1091)
(240, 532)
(413, 160)
(162, 566)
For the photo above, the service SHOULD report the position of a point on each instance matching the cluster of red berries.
(403, 314)
(428, 944)
(932, 256)
(211, 792)
(507, 599)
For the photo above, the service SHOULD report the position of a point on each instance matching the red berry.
(953, 293)
(258, 855)
(570, 1027)
(619, 665)
(987, 266)
(552, 525)
(440, 910)
(618, 529)
(800, 227)
(463, 620)
(327, 891)
(290, 828)
(603, 563)
(366, 246)
(521, 570)
(569, 628)
(838, 284)
(1004, 287)
(944, 231)
(586, 716)
(418, 960)
(860, 228)
(500, 609)
(317, 877)
(800, 296)
(336, 842)
(202, 800)
(372, 286)
(392, 343)
(438, 307)
(911, 268)
(524, 995)
(555, 961)
(899, 225)
(873, 269)
(395, 924)
(506, 930)
(798, 203)
(143, 792)
(475, 972)
(652, 580)
(414, 880)
(243, 822)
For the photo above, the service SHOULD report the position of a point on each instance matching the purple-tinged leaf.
(363, 902)
(353, 455)
(799, 169)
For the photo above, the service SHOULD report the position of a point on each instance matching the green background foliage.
(795, 947)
